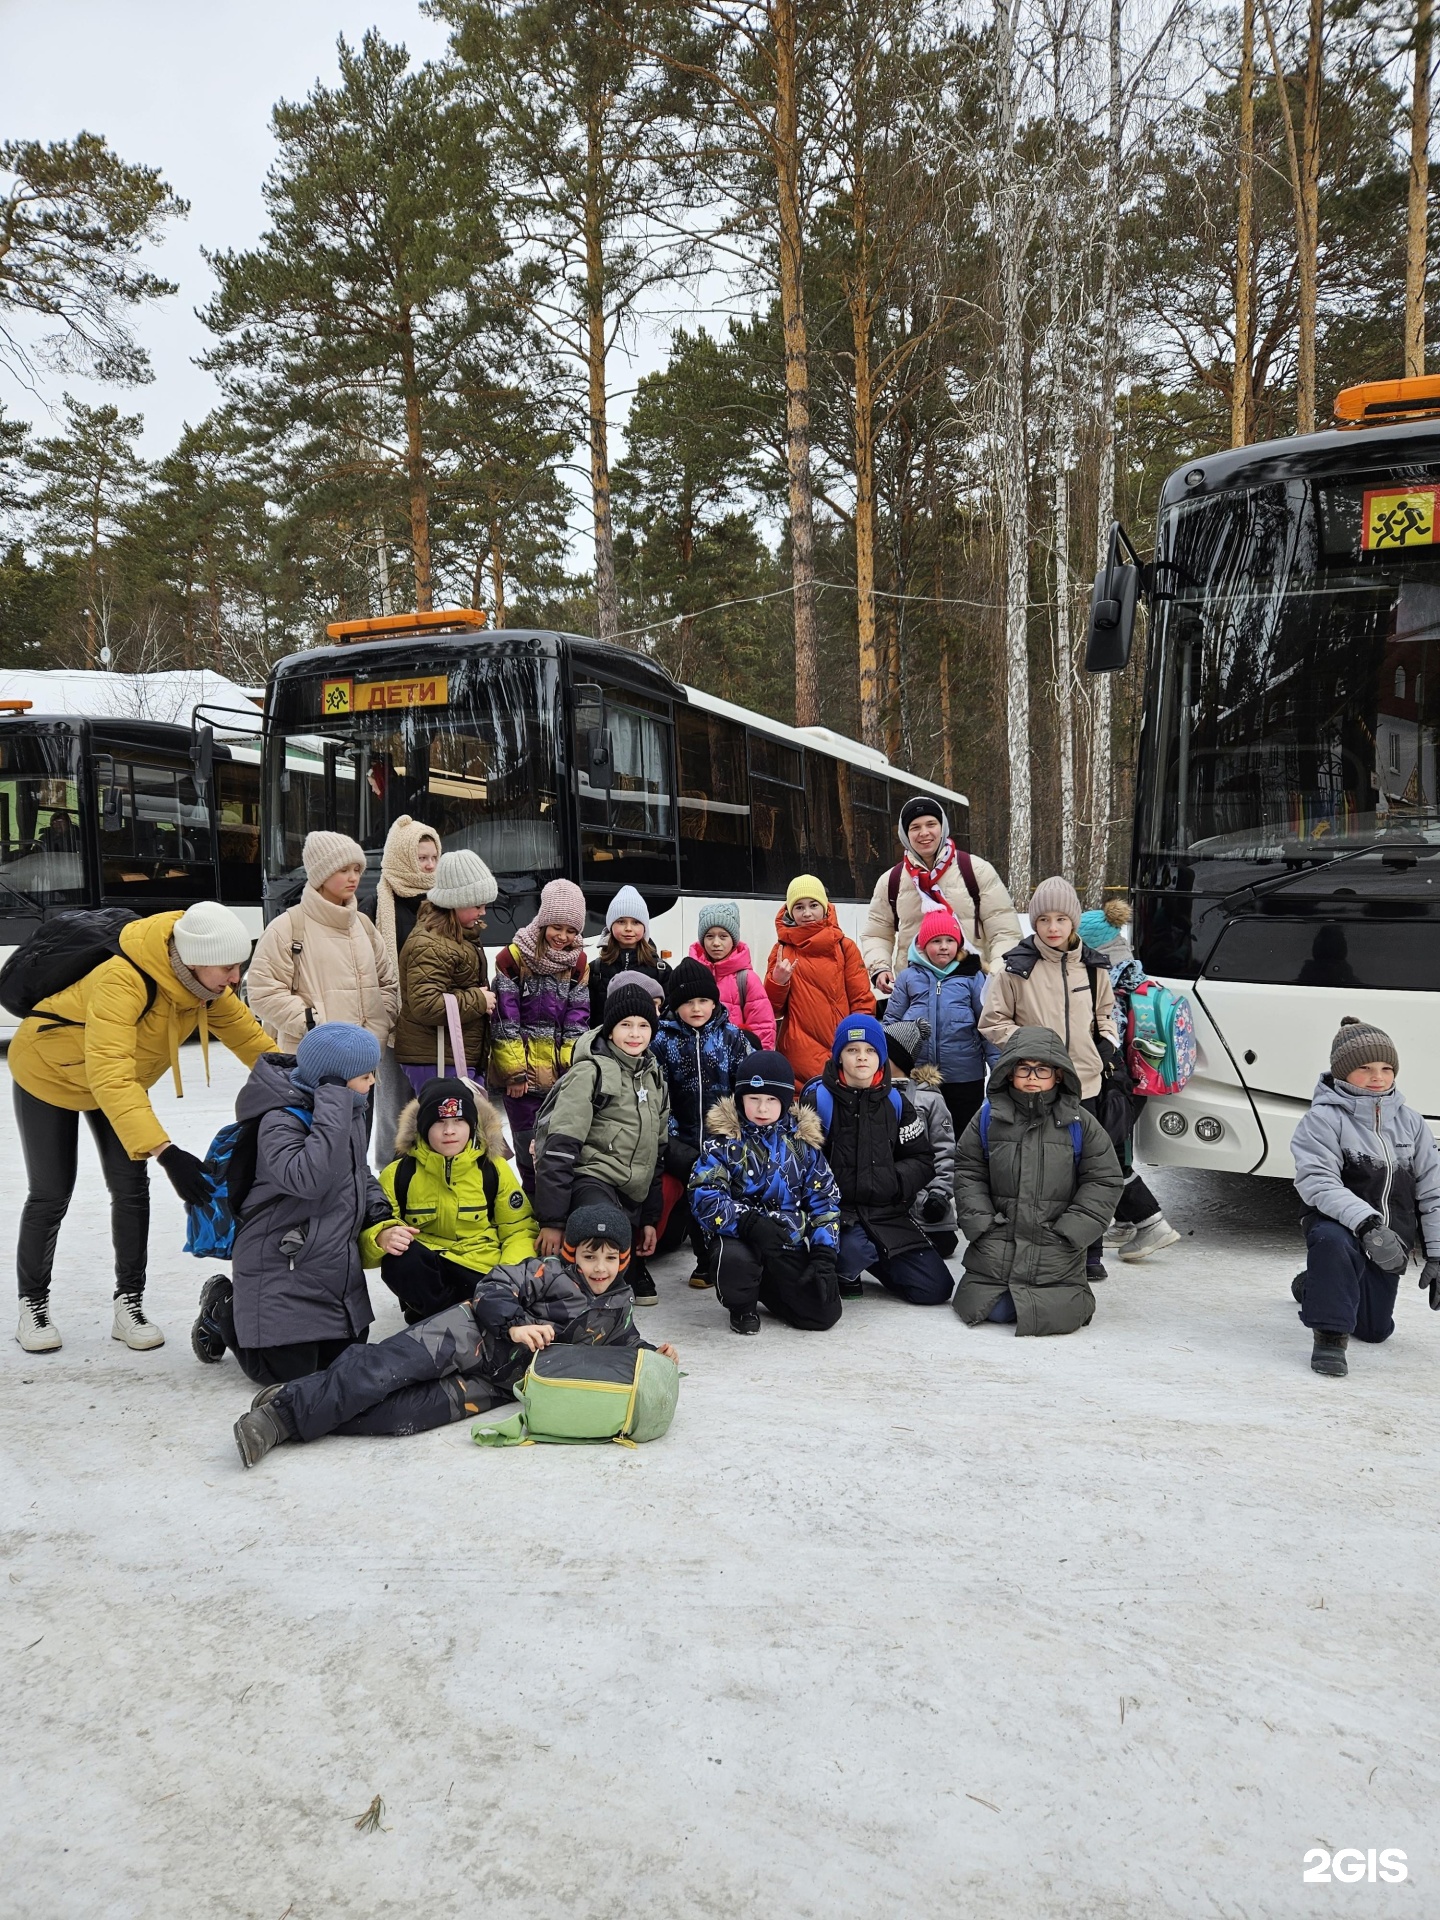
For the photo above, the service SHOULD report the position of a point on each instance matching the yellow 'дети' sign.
(1398, 517)
(373, 696)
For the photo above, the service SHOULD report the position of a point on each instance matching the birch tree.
(1418, 195)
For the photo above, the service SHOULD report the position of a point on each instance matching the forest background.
(961, 285)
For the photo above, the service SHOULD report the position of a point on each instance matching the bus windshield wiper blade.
(1254, 888)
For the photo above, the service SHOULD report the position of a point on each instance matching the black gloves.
(820, 1271)
(1430, 1277)
(680, 1158)
(1386, 1249)
(935, 1205)
(186, 1174)
(763, 1232)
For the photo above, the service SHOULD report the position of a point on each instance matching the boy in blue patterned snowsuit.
(763, 1191)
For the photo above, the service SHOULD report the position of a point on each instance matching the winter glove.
(820, 1271)
(186, 1174)
(763, 1232)
(1384, 1248)
(1430, 1277)
(935, 1205)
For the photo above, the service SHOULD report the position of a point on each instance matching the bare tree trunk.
(947, 715)
(892, 685)
(415, 474)
(1100, 757)
(382, 567)
(1417, 226)
(497, 580)
(1013, 476)
(607, 596)
(797, 364)
(1062, 454)
(1309, 263)
(1242, 387)
(864, 429)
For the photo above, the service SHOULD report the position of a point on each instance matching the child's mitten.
(1430, 1281)
(1384, 1248)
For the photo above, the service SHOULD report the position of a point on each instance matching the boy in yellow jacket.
(459, 1208)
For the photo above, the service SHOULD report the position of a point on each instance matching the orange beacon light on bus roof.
(1381, 403)
(394, 626)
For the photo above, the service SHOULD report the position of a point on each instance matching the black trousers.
(270, 1366)
(425, 1282)
(49, 1139)
(1136, 1202)
(780, 1281)
(964, 1099)
(421, 1378)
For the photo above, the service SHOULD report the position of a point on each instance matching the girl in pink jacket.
(742, 983)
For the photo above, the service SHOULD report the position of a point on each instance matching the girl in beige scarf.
(407, 867)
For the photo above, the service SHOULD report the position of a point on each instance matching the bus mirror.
(1111, 629)
(111, 810)
(597, 757)
(202, 757)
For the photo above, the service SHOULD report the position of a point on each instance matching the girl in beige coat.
(324, 960)
(1051, 979)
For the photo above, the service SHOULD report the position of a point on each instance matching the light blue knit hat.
(1095, 930)
(628, 904)
(333, 1053)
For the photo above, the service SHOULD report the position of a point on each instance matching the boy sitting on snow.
(468, 1358)
(1367, 1166)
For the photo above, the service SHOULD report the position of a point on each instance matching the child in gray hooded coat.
(1367, 1167)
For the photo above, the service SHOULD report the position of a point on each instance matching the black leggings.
(49, 1139)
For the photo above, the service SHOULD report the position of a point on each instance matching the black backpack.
(63, 951)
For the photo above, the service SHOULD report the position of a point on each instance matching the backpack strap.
(892, 887)
(742, 981)
(985, 1128)
(972, 887)
(1077, 1141)
(897, 1103)
(489, 1181)
(404, 1174)
(824, 1104)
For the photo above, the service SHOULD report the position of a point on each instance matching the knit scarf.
(927, 879)
(540, 957)
(207, 996)
(401, 875)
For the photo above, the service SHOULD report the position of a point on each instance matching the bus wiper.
(1254, 888)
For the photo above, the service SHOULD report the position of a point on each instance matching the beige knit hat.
(209, 935)
(1356, 1045)
(1055, 895)
(326, 853)
(462, 879)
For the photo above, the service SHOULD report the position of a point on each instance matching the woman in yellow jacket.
(97, 1048)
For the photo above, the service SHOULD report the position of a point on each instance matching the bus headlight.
(1173, 1123)
(1209, 1129)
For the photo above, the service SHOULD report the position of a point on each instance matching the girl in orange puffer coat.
(815, 977)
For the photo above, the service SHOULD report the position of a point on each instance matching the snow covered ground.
(903, 1619)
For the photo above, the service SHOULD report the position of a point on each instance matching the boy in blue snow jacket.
(763, 1190)
(700, 1051)
(945, 984)
(1367, 1167)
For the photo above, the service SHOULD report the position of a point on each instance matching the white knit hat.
(209, 935)
(326, 853)
(462, 879)
(628, 904)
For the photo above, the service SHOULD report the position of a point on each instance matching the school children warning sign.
(1398, 517)
(374, 696)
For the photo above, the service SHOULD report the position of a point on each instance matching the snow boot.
(1118, 1232)
(207, 1341)
(131, 1326)
(262, 1428)
(745, 1320)
(700, 1278)
(1297, 1289)
(37, 1333)
(852, 1289)
(1328, 1355)
(642, 1286)
(1149, 1237)
(1095, 1268)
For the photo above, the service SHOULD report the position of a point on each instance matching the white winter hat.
(628, 904)
(326, 853)
(209, 935)
(462, 879)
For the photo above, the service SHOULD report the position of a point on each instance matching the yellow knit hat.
(805, 887)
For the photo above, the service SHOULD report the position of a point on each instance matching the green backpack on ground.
(572, 1394)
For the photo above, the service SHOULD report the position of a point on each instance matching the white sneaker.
(36, 1333)
(132, 1327)
(1119, 1233)
(1149, 1238)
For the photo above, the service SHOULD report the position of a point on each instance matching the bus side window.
(872, 826)
(237, 812)
(777, 813)
(828, 854)
(714, 804)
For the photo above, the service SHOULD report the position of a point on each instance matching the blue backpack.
(1077, 1134)
(825, 1103)
(210, 1228)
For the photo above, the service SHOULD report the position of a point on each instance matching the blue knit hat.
(628, 904)
(860, 1026)
(333, 1053)
(1095, 930)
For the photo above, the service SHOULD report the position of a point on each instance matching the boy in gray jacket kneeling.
(1367, 1167)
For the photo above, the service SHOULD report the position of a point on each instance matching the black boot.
(262, 1428)
(207, 1336)
(641, 1285)
(1329, 1354)
(745, 1320)
(1297, 1289)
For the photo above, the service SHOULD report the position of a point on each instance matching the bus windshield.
(480, 769)
(1296, 690)
(42, 859)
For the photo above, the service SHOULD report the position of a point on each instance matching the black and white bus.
(551, 754)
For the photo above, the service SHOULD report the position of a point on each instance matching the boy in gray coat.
(1036, 1181)
(1367, 1167)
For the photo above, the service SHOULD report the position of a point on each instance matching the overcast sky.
(186, 86)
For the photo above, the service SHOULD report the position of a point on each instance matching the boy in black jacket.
(881, 1157)
(467, 1358)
